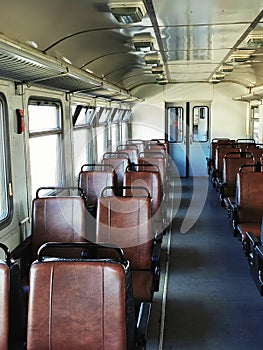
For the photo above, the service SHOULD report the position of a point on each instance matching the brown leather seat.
(126, 222)
(156, 158)
(80, 304)
(220, 152)
(92, 181)
(150, 178)
(249, 201)
(4, 305)
(54, 219)
(232, 161)
(119, 162)
(12, 304)
(131, 149)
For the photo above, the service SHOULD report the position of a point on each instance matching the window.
(45, 137)
(82, 136)
(200, 123)
(5, 179)
(175, 124)
(256, 125)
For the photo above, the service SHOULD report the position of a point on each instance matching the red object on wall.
(20, 121)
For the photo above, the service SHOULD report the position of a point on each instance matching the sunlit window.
(45, 132)
(175, 124)
(5, 184)
(82, 136)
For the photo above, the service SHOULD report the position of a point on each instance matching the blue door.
(187, 133)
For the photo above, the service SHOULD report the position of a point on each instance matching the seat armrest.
(222, 187)
(23, 252)
(234, 208)
(259, 251)
(22, 249)
(253, 239)
(155, 258)
(142, 325)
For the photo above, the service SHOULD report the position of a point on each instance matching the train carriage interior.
(131, 154)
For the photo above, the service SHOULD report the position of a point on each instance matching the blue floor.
(212, 302)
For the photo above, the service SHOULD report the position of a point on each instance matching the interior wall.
(228, 118)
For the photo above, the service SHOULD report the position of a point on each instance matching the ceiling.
(82, 39)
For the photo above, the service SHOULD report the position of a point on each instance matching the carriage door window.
(256, 127)
(5, 180)
(200, 124)
(45, 133)
(175, 122)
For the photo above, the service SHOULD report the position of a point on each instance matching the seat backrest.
(257, 153)
(155, 158)
(249, 198)
(126, 222)
(12, 304)
(57, 219)
(221, 151)
(4, 306)
(151, 179)
(231, 164)
(139, 144)
(92, 182)
(79, 305)
(132, 151)
(119, 161)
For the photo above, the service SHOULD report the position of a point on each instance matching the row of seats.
(240, 184)
(124, 221)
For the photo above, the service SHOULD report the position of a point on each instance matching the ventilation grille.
(22, 65)
(23, 69)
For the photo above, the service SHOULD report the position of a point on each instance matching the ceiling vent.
(143, 41)
(152, 58)
(255, 40)
(127, 11)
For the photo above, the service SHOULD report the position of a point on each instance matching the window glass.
(126, 115)
(104, 115)
(124, 132)
(175, 124)
(115, 136)
(4, 210)
(43, 117)
(45, 150)
(200, 123)
(82, 148)
(256, 125)
(117, 115)
(86, 116)
(101, 137)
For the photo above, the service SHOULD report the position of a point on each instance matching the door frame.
(185, 151)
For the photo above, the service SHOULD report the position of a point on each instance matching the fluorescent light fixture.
(242, 55)
(255, 39)
(143, 41)
(127, 11)
(158, 69)
(227, 68)
(218, 76)
(163, 82)
(214, 81)
(152, 58)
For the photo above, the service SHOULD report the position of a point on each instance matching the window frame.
(45, 101)
(7, 162)
(84, 127)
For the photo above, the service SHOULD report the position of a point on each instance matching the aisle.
(212, 302)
